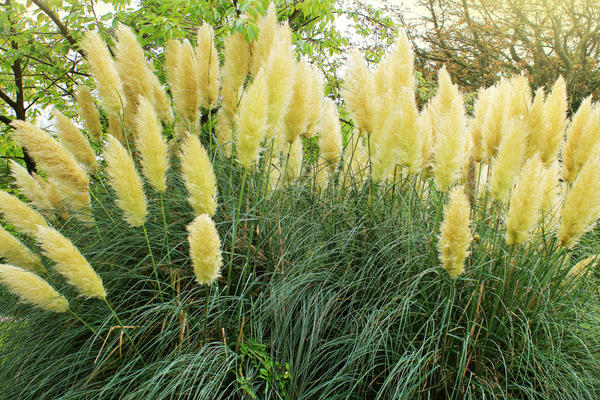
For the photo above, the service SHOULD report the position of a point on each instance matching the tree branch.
(61, 27)
(7, 99)
(6, 120)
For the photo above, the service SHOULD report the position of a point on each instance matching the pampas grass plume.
(582, 204)
(279, 74)
(70, 263)
(296, 119)
(72, 138)
(448, 114)
(208, 66)
(555, 110)
(151, 145)
(205, 249)
(19, 214)
(126, 182)
(32, 289)
(89, 113)
(236, 52)
(358, 90)
(104, 71)
(29, 187)
(455, 233)
(131, 64)
(330, 136)
(262, 46)
(251, 121)
(525, 202)
(16, 253)
(57, 162)
(198, 176)
(508, 162)
(582, 138)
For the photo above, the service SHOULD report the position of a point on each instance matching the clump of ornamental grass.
(364, 272)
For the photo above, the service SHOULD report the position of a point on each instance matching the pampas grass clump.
(251, 260)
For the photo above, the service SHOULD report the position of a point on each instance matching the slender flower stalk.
(126, 182)
(70, 263)
(455, 233)
(32, 289)
(198, 176)
(205, 249)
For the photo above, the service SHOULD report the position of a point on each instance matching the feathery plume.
(536, 124)
(135, 74)
(251, 121)
(58, 163)
(262, 46)
(162, 104)
(205, 249)
(151, 145)
(126, 182)
(19, 214)
(16, 253)
(520, 99)
(494, 120)
(115, 129)
(525, 202)
(72, 138)
(182, 71)
(330, 137)
(449, 131)
(395, 72)
(70, 263)
(208, 66)
(455, 233)
(555, 110)
(236, 51)
(295, 120)
(104, 71)
(508, 162)
(198, 176)
(358, 91)
(32, 289)
(582, 139)
(89, 113)
(406, 139)
(29, 187)
(279, 76)
(481, 108)
(315, 101)
(582, 204)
